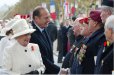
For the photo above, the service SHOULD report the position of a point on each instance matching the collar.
(99, 31)
(41, 29)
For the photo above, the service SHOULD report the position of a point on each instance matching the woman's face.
(24, 39)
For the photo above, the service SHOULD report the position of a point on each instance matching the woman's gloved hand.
(41, 70)
(33, 72)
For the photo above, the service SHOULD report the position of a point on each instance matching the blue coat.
(45, 49)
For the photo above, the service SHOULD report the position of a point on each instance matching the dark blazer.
(104, 63)
(52, 30)
(45, 46)
(71, 36)
(62, 42)
(93, 44)
(65, 38)
(60, 45)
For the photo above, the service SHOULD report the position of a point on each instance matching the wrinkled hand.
(63, 71)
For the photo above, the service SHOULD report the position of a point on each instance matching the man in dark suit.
(52, 30)
(71, 36)
(60, 44)
(104, 63)
(63, 40)
(41, 18)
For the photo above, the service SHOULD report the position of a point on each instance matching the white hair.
(110, 22)
(108, 8)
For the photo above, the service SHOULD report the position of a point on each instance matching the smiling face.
(43, 19)
(24, 39)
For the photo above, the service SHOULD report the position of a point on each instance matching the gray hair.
(108, 8)
(110, 22)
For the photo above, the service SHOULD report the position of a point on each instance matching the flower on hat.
(84, 20)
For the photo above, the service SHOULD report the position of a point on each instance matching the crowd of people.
(84, 44)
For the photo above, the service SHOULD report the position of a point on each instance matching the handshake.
(64, 71)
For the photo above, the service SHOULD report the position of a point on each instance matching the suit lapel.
(42, 39)
(48, 39)
(107, 52)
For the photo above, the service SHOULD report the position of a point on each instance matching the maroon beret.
(95, 15)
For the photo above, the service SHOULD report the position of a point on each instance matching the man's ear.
(35, 17)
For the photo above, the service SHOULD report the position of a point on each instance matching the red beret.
(95, 15)
(84, 20)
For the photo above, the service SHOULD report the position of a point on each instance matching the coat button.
(29, 65)
(25, 50)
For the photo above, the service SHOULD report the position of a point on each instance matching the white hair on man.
(110, 23)
(108, 9)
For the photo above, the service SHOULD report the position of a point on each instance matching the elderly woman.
(22, 57)
(104, 64)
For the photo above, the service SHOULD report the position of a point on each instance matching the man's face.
(104, 15)
(44, 18)
(108, 34)
(91, 25)
(76, 30)
(85, 30)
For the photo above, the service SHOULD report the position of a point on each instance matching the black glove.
(33, 72)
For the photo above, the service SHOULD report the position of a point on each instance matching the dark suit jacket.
(52, 30)
(104, 63)
(71, 36)
(45, 49)
(65, 38)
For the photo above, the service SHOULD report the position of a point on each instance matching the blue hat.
(108, 3)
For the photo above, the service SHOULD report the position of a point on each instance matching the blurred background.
(10, 8)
